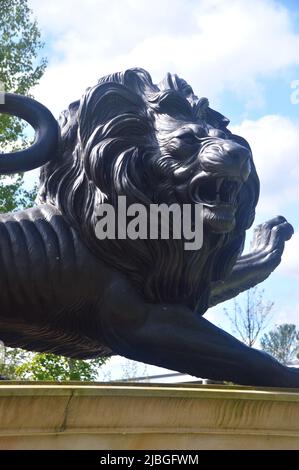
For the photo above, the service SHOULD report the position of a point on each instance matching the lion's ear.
(104, 102)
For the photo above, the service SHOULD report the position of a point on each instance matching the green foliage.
(20, 364)
(13, 195)
(9, 360)
(20, 70)
(52, 367)
(20, 65)
(282, 343)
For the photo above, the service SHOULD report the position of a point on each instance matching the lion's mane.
(109, 147)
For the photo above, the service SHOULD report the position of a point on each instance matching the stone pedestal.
(97, 416)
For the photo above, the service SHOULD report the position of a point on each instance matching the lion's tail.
(46, 128)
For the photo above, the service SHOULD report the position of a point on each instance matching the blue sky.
(242, 55)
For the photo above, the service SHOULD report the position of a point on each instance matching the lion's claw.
(268, 242)
(271, 235)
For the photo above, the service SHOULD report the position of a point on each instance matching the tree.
(19, 364)
(250, 318)
(20, 65)
(14, 196)
(10, 359)
(133, 369)
(282, 343)
(20, 69)
(51, 367)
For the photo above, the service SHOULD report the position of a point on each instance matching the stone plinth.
(97, 416)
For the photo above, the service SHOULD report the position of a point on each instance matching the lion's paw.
(269, 239)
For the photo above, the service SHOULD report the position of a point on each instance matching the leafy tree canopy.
(20, 65)
(282, 343)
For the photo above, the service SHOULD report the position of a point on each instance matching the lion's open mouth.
(219, 197)
(217, 191)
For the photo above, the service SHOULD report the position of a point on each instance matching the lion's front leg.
(266, 250)
(176, 338)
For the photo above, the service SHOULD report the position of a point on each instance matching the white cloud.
(274, 140)
(214, 44)
(288, 314)
(290, 265)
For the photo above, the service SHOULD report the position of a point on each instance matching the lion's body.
(65, 291)
(49, 279)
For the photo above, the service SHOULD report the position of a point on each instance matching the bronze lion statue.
(65, 291)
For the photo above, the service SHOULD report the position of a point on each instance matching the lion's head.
(154, 144)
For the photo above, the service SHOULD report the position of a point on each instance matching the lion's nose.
(239, 159)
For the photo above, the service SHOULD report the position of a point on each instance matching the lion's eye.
(191, 136)
(188, 138)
